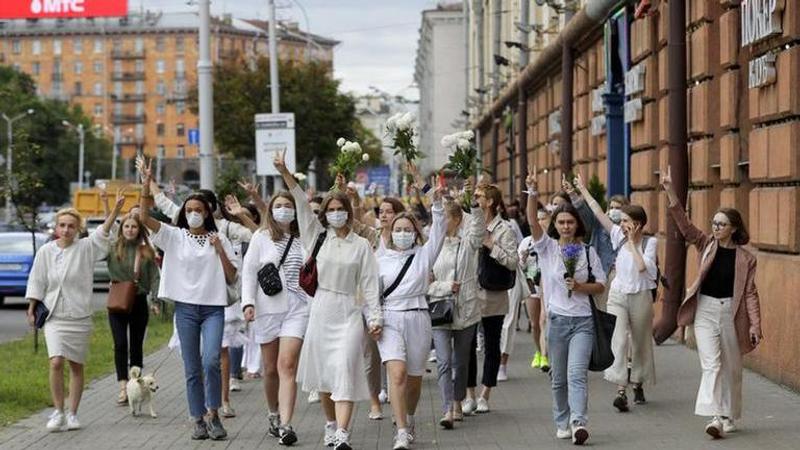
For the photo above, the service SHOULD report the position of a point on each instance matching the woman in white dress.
(281, 319)
(62, 278)
(332, 359)
(406, 338)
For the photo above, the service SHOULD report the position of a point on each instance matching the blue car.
(16, 259)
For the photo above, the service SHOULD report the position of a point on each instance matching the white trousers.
(720, 392)
(634, 332)
(516, 294)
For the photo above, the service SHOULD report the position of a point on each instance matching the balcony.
(119, 119)
(137, 141)
(127, 54)
(128, 98)
(127, 76)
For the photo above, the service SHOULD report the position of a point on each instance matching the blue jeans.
(203, 382)
(569, 343)
(237, 354)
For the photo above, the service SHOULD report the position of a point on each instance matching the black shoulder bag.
(493, 276)
(442, 311)
(269, 276)
(399, 278)
(604, 323)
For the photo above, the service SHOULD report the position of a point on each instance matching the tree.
(322, 113)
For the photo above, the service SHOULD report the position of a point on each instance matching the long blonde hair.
(142, 241)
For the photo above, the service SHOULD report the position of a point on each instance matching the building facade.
(132, 75)
(441, 76)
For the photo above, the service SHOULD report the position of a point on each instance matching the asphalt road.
(12, 315)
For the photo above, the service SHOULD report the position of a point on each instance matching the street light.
(81, 135)
(10, 129)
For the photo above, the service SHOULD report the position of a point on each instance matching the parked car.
(16, 259)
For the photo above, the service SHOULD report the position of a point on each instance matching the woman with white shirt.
(571, 335)
(630, 299)
(61, 278)
(332, 358)
(406, 338)
(280, 319)
(198, 264)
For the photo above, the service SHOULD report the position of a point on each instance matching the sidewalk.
(520, 417)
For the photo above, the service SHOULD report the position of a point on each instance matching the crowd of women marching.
(341, 298)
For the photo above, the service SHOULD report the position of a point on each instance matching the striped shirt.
(291, 266)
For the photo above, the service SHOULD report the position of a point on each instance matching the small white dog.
(140, 391)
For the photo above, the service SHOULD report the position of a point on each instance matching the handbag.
(493, 276)
(308, 272)
(442, 311)
(269, 276)
(604, 323)
(40, 314)
(397, 280)
(122, 294)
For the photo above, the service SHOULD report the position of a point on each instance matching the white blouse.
(192, 271)
(556, 294)
(629, 280)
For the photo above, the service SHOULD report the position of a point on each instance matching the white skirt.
(332, 359)
(68, 338)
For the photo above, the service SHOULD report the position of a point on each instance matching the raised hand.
(578, 181)
(120, 200)
(531, 180)
(216, 242)
(340, 183)
(666, 179)
(280, 161)
(566, 186)
(438, 193)
(233, 206)
(145, 168)
(468, 185)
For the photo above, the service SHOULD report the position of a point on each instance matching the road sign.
(42, 9)
(274, 132)
(194, 136)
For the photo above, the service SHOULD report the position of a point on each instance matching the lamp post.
(81, 135)
(9, 161)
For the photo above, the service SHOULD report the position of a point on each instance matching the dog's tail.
(134, 372)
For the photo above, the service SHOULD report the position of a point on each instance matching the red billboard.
(53, 9)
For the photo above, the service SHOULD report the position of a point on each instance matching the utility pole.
(205, 91)
(10, 155)
(522, 103)
(274, 81)
(81, 136)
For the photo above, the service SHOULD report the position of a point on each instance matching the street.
(12, 315)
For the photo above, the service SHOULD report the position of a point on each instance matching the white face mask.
(403, 240)
(615, 215)
(194, 219)
(550, 208)
(283, 215)
(336, 219)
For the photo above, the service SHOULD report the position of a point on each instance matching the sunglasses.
(715, 224)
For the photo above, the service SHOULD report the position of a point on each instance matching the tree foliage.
(322, 113)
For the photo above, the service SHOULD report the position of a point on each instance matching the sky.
(378, 37)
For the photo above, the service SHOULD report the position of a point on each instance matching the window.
(36, 47)
(140, 87)
(179, 68)
(139, 45)
(98, 46)
(139, 109)
(117, 66)
(78, 88)
(139, 66)
(98, 109)
(118, 89)
(160, 129)
(161, 88)
(161, 66)
(160, 108)
(16, 47)
(179, 43)
(57, 88)
(56, 46)
(78, 67)
(160, 151)
(98, 89)
(57, 66)
(139, 131)
(116, 44)
(77, 46)
(180, 130)
(97, 66)
(160, 44)
(181, 152)
(36, 68)
(117, 109)
(17, 67)
(180, 107)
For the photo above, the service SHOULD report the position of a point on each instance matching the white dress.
(332, 359)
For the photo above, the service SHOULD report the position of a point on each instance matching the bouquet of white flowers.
(349, 158)
(400, 127)
(463, 160)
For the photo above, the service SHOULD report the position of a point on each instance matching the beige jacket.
(504, 251)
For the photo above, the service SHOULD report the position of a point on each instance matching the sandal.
(122, 398)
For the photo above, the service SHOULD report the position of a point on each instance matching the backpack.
(659, 277)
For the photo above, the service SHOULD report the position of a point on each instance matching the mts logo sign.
(43, 9)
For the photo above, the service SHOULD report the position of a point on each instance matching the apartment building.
(132, 75)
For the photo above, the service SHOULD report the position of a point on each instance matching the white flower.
(365, 157)
(340, 142)
(391, 123)
(356, 147)
(463, 144)
(449, 140)
(468, 135)
(405, 121)
(300, 176)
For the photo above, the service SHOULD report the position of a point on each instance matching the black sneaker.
(274, 425)
(287, 436)
(638, 395)
(215, 429)
(200, 432)
(621, 401)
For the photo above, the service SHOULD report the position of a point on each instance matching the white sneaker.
(56, 421)
(502, 373)
(483, 406)
(563, 434)
(313, 397)
(342, 440)
(579, 434)
(432, 356)
(330, 435)
(383, 397)
(402, 441)
(72, 422)
(468, 406)
(728, 426)
(715, 428)
(234, 385)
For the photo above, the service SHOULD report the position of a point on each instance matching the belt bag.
(269, 277)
